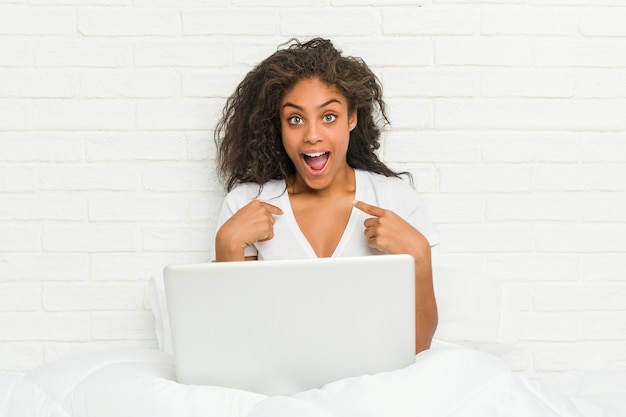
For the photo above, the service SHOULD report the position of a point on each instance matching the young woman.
(297, 151)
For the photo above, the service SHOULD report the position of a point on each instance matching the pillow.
(155, 295)
(475, 310)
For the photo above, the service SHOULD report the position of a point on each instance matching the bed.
(464, 378)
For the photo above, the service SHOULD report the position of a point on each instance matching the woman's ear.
(352, 121)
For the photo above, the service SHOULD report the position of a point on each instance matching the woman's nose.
(313, 133)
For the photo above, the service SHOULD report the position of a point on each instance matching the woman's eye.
(295, 120)
(329, 118)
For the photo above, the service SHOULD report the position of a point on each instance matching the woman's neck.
(341, 184)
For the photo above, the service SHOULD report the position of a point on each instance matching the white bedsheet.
(445, 381)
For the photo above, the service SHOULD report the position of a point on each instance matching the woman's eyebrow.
(332, 100)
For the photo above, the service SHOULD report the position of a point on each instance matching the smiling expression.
(316, 125)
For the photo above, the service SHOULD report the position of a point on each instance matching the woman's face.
(316, 125)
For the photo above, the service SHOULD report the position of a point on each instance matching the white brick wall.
(511, 114)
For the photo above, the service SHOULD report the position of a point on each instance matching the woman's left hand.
(388, 232)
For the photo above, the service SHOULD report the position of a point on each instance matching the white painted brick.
(603, 326)
(551, 327)
(15, 52)
(59, 350)
(485, 178)
(190, 177)
(603, 267)
(549, 114)
(128, 22)
(122, 325)
(529, 20)
(272, 3)
(43, 267)
(574, 177)
(536, 267)
(608, 207)
(18, 358)
(140, 266)
(580, 2)
(178, 239)
(90, 177)
(205, 206)
(18, 178)
(80, 2)
(42, 207)
(135, 146)
(516, 147)
(584, 238)
(58, 52)
(90, 296)
(602, 21)
(172, 115)
(395, 51)
(484, 51)
(408, 114)
(19, 297)
(579, 52)
(15, 115)
(432, 146)
(20, 238)
(29, 147)
(580, 297)
(463, 262)
(429, 83)
(82, 115)
(456, 208)
(28, 326)
(201, 147)
(580, 356)
(434, 20)
(210, 83)
(130, 207)
(88, 238)
(532, 207)
(347, 21)
(604, 147)
(20, 20)
(528, 83)
(601, 83)
(117, 83)
(485, 238)
(38, 84)
(181, 53)
(249, 21)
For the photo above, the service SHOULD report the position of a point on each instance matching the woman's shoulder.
(382, 183)
(248, 191)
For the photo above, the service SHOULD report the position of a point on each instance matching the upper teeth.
(314, 155)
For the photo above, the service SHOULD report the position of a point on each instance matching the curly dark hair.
(248, 135)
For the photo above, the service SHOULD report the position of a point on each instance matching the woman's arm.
(390, 233)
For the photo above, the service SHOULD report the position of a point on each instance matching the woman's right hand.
(252, 223)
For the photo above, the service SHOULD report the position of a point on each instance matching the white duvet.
(444, 381)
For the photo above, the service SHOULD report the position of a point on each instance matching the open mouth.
(316, 160)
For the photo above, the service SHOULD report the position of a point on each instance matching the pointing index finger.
(368, 208)
(272, 208)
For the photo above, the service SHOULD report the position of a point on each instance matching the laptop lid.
(280, 327)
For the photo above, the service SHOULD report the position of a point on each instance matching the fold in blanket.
(447, 381)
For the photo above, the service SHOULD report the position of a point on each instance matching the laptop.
(281, 327)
